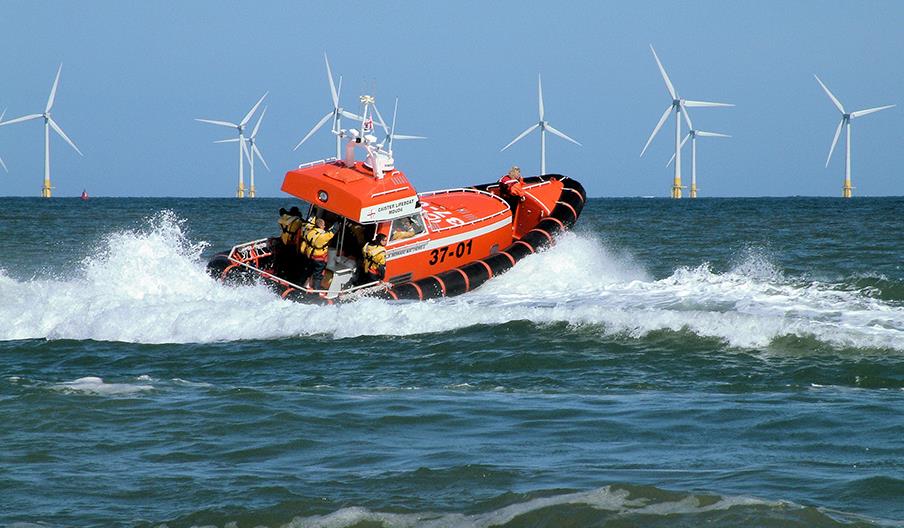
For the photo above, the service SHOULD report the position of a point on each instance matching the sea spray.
(150, 286)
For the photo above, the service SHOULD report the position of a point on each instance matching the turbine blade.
(665, 76)
(233, 140)
(711, 134)
(3, 113)
(395, 112)
(319, 124)
(680, 146)
(257, 152)
(861, 113)
(221, 123)
(703, 104)
(665, 115)
(3, 165)
(258, 124)
(250, 113)
(380, 117)
(521, 135)
(834, 141)
(540, 94)
(329, 74)
(23, 118)
(403, 137)
(349, 115)
(835, 100)
(245, 150)
(62, 134)
(687, 119)
(53, 90)
(561, 135)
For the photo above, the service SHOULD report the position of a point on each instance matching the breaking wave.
(621, 505)
(150, 286)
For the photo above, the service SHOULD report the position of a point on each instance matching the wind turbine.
(1, 159)
(679, 106)
(693, 134)
(254, 151)
(543, 126)
(337, 113)
(48, 124)
(240, 192)
(846, 119)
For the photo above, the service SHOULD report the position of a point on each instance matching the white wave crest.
(604, 499)
(97, 386)
(150, 286)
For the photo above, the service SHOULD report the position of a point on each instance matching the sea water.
(731, 362)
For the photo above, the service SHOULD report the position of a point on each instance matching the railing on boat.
(324, 161)
(278, 279)
(469, 222)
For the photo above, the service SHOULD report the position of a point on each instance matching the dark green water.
(721, 362)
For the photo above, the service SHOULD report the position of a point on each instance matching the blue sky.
(135, 74)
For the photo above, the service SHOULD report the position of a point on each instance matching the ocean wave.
(623, 505)
(150, 286)
(97, 386)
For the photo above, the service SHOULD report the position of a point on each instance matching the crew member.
(512, 184)
(375, 259)
(511, 187)
(306, 225)
(404, 229)
(286, 259)
(289, 223)
(318, 239)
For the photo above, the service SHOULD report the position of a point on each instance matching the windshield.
(406, 227)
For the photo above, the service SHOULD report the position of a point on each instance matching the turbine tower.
(48, 124)
(846, 119)
(543, 126)
(337, 113)
(240, 191)
(679, 106)
(252, 151)
(693, 134)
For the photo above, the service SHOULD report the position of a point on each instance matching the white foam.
(97, 386)
(150, 286)
(604, 499)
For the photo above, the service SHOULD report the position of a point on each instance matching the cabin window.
(406, 227)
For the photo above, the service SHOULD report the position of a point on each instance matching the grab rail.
(331, 159)
(469, 222)
(280, 280)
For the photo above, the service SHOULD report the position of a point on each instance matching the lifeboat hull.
(453, 257)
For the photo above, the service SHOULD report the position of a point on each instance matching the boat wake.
(150, 286)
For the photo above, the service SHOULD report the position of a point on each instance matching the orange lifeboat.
(439, 243)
